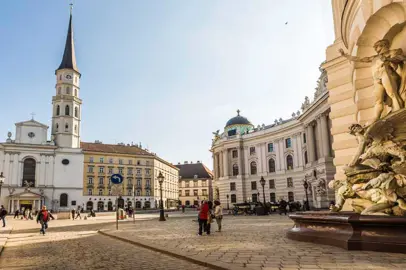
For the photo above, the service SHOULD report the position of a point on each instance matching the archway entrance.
(89, 205)
(147, 204)
(100, 206)
(110, 206)
(137, 204)
(120, 203)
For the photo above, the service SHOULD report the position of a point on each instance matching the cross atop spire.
(71, 7)
(238, 112)
(32, 115)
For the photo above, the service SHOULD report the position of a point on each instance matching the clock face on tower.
(68, 77)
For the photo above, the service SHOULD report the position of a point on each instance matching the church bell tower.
(66, 104)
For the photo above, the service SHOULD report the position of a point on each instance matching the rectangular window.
(235, 154)
(109, 192)
(270, 147)
(272, 183)
(233, 198)
(232, 186)
(147, 193)
(195, 184)
(120, 170)
(148, 182)
(304, 137)
(290, 182)
(130, 162)
(147, 171)
(138, 182)
(252, 150)
(147, 163)
(253, 185)
(195, 192)
(254, 197)
(129, 192)
(110, 160)
(91, 159)
(101, 169)
(100, 192)
(110, 170)
(204, 192)
(101, 160)
(204, 183)
(130, 171)
(129, 181)
(273, 197)
(180, 193)
(288, 143)
(138, 162)
(90, 169)
(187, 192)
(101, 180)
(187, 184)
(89, 191)
(90, 180)
(138, 171)
(120, 161)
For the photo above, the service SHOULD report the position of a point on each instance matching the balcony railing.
(100, 185)
(90, 185)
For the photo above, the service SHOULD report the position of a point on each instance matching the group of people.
(25, 212)
(206, 215)
(76, 214)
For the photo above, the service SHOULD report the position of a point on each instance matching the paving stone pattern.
(255, 243)
(80, 247)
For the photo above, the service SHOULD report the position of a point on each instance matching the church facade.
(40, 171)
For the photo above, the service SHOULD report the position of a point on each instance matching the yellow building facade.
(139, 169)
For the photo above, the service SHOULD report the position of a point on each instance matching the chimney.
(186, 162)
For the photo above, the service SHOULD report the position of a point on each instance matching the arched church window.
(67, 90)
(56, 127)
(289, 162)
(66, 127)
(67, 110)
(59, 90)
(63, 200)
(271, 164)
(29, 172)
(253, 167)
(76, 112)
(58, 110)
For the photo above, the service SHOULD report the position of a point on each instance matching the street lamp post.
(2, 179)
(161, 208)
(306, 186)
(262, 181)
(228, 206)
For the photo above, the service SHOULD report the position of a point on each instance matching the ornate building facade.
(285, 153)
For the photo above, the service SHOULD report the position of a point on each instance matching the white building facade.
(40, 171)
(285, 153)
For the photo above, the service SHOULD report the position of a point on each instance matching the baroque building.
(285, 153)
(195, 183)
(139, 168)
(47, 171)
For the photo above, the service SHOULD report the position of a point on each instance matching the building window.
(63, 200)
(272, 183)
(147, 163)
(253, 167)
(204, 183)
(110, 160)
(252, 150)
(90, 169)
(120, 161)
(288, 143)
(138, 162)
(130, 171)
(233, 198)
(137, 193)
(306, 158)
(232, 186)
(270, 147)
(101, 169)
(187, 192)
(271, 165)
(195, 192)
(235, 154)
(289, 162)
(273, 197)
(109, 192)
(89, 191)
(91, 159)
(66, 127)
(110, 170)
(67, 90)
(101, 160)
(235, 170)
(58, 110)
(76, 92)
(204, 192)
(100, 192)
(254, 197)
(90, 180)
(57, 127)
(180, 193)
(59, 90)
(138, 182)
(67, 110)
(76, 128)
(187, 184)
(101, 180)
(195, 184)
(291, 197)
(253, 185)
(120, 170)
(304, 137)
(130, 162)
(76, 112)
(138, 171)
(129, 192)
(147, 171)
(290, 182)
(147, 193)
(148, 183)
(129, 181)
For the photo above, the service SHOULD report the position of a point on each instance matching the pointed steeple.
(69, 58)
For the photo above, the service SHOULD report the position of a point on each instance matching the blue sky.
(164, 73)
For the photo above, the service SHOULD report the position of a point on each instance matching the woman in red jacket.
(203, 215)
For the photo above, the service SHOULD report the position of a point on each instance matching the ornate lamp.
(161, 210)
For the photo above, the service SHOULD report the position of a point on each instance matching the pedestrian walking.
(78, 214)
(3, 214)
(16, 214)
(43, 218)
(282, 207)
(204, 210)
(218, 214)
(210, 215)
(73, 214)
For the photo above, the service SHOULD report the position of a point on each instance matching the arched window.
(76, 128)
(235, 170)
(271, 165)
(306, 158)
(56, 127)
(233, 198)
(63, 200)
(58, 110)
(89, 205)
(76, 92)
(67, 110)
(291, 197)
(67, 90)
(289, 162)
(187, 203)
(59, 90)
(29, 172)
(147, 204)
(76, 112)
(137, 204)
(66, 127)
(253, 167)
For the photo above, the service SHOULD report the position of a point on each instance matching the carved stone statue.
(306, 103)
(389, 74)
(216, 136)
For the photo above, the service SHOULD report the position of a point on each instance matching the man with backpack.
(3, 214)
(43, 217)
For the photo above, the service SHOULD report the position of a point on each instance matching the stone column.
(319, 146)
(263, 158)
(310, 143)
(221, 164)
(246, 165)
(277, 160)
(258, 153)
(7, 166)
(324, 135)
(19, 173)
(225, 162)
(1, 161)
(41, 179)
(296, 151)
(15, 165)
(299, 149)
(240, 160)
(281, 154)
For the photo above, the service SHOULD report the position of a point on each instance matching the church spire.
(69, 59)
